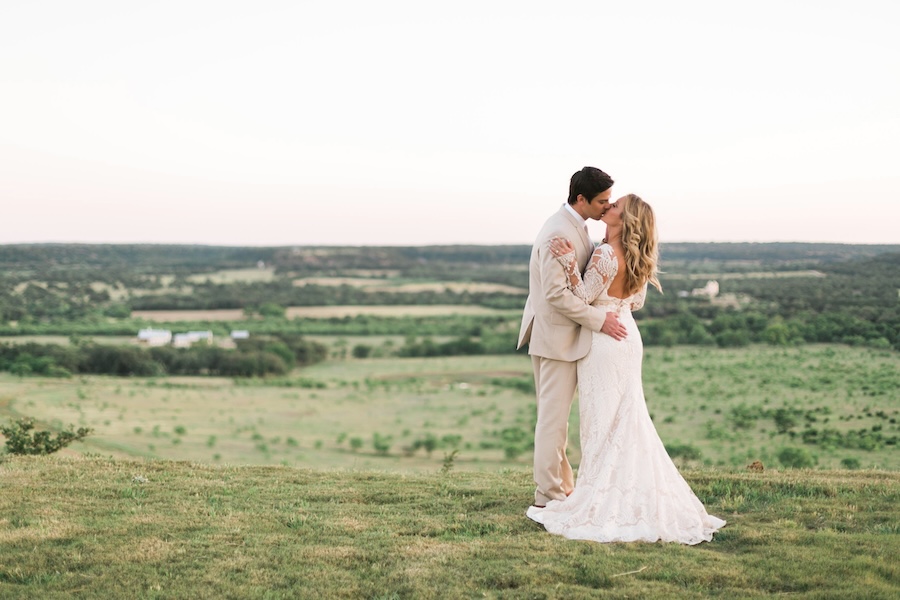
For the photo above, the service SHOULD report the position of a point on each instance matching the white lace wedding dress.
(628, 489)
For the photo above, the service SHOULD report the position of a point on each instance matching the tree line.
(251, 358)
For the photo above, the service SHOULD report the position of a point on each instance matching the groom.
(557, 327)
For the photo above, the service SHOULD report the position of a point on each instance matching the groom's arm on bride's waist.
(554, 283)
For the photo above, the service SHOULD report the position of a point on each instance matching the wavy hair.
(641, 243)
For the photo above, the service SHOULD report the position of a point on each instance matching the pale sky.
(413, 122)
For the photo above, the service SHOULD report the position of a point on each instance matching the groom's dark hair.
(588, 182)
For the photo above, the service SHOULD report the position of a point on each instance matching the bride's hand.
(560, 246)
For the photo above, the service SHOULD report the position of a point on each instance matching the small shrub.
(361, 351)
(850, 463)
(21, 440)
(429, 442)
(382, 443)
(449, 459)
(685, 451)
(796, 458)
(513, 451)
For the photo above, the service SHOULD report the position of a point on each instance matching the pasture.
(833, 406)
(318, 312)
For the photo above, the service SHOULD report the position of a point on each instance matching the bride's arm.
(564, 252)
(597, 276)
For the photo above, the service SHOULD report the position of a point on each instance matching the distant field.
(752, 275)
(720, 403)
(168, 316)
(234, 276)
(317, 312)
(413, 310)
(380, 285)
(456, 287)
(337, 281)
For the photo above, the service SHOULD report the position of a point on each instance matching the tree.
(785, 420)
(382, 443)
(270, 309)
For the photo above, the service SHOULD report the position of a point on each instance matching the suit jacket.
(557, 324)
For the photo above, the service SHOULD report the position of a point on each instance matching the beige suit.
(557, 327)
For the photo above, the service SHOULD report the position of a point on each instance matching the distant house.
(154, 337)
(201, 335)
(240, 334)
(186, 340)
(710, 290)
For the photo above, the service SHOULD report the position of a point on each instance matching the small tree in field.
(21, 440)
(796, 458)
(382, 443)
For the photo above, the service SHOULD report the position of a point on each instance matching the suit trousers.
(554, 383)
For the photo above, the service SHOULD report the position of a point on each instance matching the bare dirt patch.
(454, 286)
(168, 316)
(235, 275)
(327, 312)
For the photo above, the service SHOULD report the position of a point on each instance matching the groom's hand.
(612, 327)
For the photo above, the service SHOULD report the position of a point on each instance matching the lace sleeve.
(573, 277)
(599, 272)
(637, 300)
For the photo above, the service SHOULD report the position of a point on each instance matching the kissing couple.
(580, 331)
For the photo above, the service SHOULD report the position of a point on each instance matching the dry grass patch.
(171, 316)
(316, 312)
(227, 276)
(750, 275)
(328, 312)
(456, 287)
(337, 281)
(382, 285)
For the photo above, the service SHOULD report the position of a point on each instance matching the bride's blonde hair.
(641, 244)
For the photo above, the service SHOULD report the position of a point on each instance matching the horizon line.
(411, 245)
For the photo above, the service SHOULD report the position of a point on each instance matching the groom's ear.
(580, 198)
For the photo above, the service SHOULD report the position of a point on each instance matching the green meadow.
(99, 528)
(827, 406)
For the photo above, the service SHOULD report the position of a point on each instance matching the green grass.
(719, 403)
(722, 401)
(103, 528)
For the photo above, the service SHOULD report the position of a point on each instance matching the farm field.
(380, 285)
(317, 312)
(838, 406)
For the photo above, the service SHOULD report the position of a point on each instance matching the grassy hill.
(95, 527)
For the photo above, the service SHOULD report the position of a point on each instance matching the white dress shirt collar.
(572, 211)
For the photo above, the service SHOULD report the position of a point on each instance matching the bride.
(628, 489)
